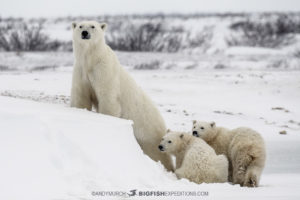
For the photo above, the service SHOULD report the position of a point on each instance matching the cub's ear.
(194, 121)
(181, 136)
(103, 26)
(168, 130)
(74, 24)
(212, 124)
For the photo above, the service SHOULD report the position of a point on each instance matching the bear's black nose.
(85, 35)
(195, 133)
(161, 147)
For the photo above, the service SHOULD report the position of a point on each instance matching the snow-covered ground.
(51, 151)
(234, 58)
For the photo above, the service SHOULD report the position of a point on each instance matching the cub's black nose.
(195, 133)
(161, 147)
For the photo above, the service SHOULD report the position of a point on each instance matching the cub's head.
(86, 32)
(205, 130)
(172, 142)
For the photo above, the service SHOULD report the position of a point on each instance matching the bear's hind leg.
(253, 172)
(180, 173)
(153, 152)
(165, 159)
(110, 105)
(240, 164)
(167, 162)
(251, 180)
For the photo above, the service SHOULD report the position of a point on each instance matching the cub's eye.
(169, 141)
(202, 128)
(194, 126)
(93, 27)
(80, 26)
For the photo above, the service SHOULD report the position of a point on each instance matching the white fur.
(244, 148)
(100, 81)
(195, 159)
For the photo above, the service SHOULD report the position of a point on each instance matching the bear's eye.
(194, 126)
(202, 127)
(169, 141)
(93, 27)
(80, 26)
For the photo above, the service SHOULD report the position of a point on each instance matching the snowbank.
(54, 152)
(50, 151)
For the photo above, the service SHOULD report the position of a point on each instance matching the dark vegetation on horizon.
(157, 33)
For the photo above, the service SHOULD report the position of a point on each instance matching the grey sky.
(52, 8)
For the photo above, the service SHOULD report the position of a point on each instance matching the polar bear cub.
(100, 81)
(244, 148)
(195, 159)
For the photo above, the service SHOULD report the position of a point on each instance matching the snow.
(12, 62)
(56, 152)
(51, 151)
(257, 51)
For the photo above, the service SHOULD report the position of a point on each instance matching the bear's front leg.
(80, 96)
(80, 100)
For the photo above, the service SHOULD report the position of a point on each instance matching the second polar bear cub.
(195, 159)
(243, 146)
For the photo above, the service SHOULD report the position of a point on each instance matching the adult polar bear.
(100, 81)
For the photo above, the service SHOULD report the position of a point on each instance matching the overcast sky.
(52, 8)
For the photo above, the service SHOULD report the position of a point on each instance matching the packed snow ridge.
(51, 151)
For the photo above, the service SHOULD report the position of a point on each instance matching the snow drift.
(49, 151)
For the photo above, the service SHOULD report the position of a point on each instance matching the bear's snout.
(161, 147)
(85, 35)
(195, 133)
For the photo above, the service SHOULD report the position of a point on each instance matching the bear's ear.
(194, 121)
(212, 124)
(181, 136)
(103, 26)
(74, 24)
(168, 130)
